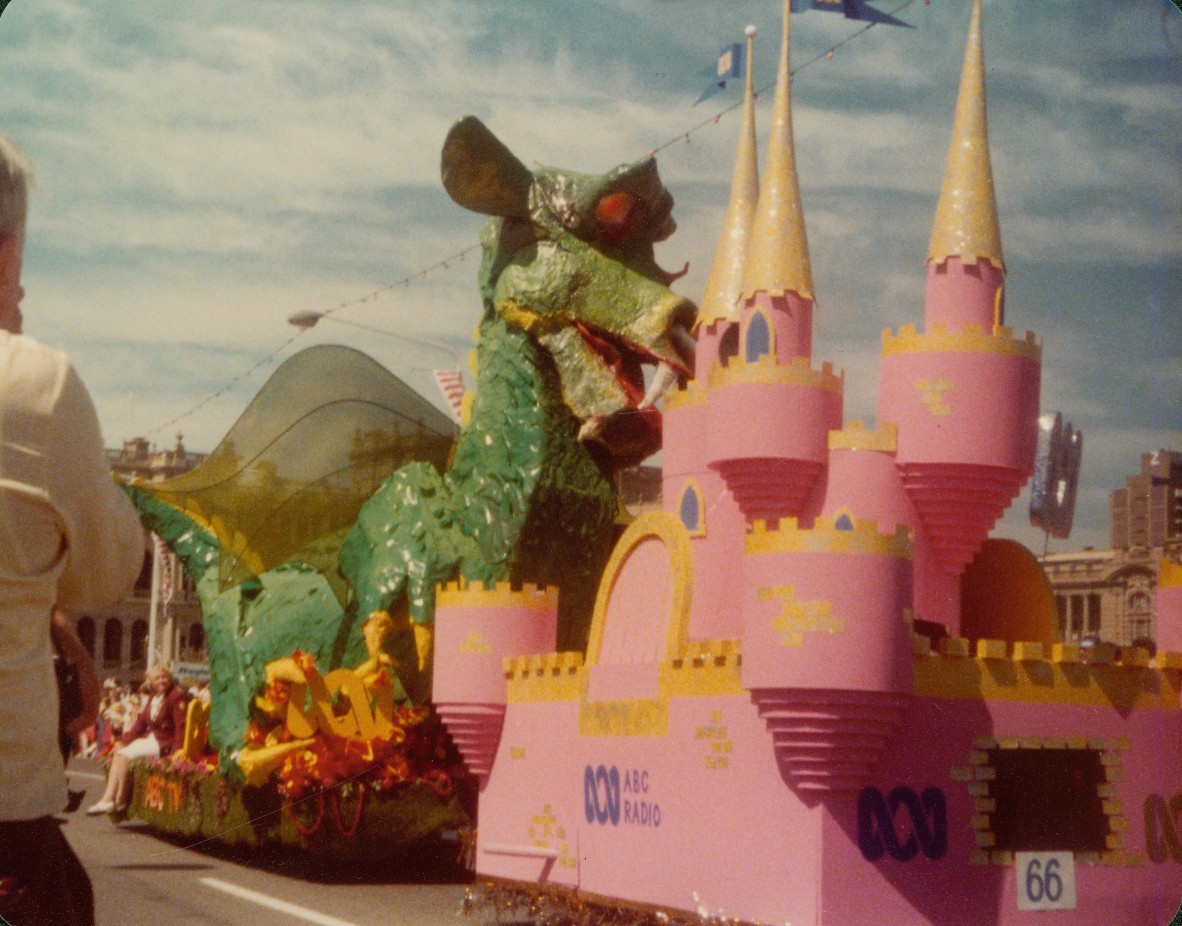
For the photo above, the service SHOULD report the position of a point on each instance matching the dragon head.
(568, 258)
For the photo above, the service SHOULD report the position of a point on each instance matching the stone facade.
(1105, 594)
(117, 636)
(1109, 594)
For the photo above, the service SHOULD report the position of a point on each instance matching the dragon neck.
(519, 465)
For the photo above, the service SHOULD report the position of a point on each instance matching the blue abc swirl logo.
(877, 835)
(601, 795)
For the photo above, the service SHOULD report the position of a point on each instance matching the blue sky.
(207, 169)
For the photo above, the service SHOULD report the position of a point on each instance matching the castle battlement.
(766, 369)
(691, 393)
(501, 594)
(827, 535)
(970, 339)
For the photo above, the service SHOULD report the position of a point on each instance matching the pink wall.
(962, 294)
(978, 408)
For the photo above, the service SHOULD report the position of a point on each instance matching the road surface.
(142, 877)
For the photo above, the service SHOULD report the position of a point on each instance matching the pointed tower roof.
(778, 259)
(966, 216)
(725, 283)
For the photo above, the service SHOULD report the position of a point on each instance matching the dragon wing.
(287, 481)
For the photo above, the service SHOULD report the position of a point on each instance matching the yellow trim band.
(970, 339)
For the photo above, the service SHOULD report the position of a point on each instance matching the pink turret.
(718, 310)
(768, 411)
(964, 393)
(696, 494)
(475, 629)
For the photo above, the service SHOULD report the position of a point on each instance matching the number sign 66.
(1045, 880)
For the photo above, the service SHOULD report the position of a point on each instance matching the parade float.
(318, 532)
(810, 689)
(814, 691)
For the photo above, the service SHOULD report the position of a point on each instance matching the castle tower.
(964, 393)
(966, 271)
(718, 310)
(697, 495)
(769, 412)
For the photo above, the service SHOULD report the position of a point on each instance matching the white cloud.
(208, 169)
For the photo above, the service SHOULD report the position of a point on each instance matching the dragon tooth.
(592, 428)
(665, 377)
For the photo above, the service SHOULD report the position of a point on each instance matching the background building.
(1109, 594)
(1147, 512)
(117, 636)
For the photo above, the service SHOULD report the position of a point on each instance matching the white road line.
(70, 771)
(263, 900)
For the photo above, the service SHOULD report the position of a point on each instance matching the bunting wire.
(680, 138)
(266, 361)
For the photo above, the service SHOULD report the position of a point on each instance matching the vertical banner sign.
(1056, 476)
(1045, 880)
(166, 576)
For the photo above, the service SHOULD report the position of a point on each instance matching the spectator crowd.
(120, 705)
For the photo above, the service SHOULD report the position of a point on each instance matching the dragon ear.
(481, 174)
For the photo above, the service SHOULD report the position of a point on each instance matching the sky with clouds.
(207, 169)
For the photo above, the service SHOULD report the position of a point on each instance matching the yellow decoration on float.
(934, 393)
(854, 436)
(766, 369)
(970, 339)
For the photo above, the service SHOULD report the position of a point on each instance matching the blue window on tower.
(759, 338)
(690, 510)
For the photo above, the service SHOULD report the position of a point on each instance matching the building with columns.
(117, 636)
(1110, 594)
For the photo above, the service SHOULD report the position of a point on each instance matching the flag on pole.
(451, 384)
(728, 66)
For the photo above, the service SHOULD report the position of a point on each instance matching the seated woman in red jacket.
(156, 732)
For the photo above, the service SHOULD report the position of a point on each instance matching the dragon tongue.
(665, 377)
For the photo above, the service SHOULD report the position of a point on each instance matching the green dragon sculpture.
(574, 306)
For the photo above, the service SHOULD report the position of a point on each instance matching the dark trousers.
(42, 883)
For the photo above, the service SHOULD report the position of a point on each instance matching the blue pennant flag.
(729, 66)
(851, 9)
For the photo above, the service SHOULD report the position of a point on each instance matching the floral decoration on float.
(326, 741)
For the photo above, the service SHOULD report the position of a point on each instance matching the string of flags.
(445, 263)
(730, 65)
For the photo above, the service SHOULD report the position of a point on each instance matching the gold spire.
(724, 285)
(966, 216)
(778, 259)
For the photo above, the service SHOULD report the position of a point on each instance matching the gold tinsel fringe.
(540, 905)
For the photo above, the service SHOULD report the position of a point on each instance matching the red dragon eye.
(613, 214)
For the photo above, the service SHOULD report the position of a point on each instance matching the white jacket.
(68, 536)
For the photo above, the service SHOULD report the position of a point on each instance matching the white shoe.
(101, 807)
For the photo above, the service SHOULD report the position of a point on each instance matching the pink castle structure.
(785, 714)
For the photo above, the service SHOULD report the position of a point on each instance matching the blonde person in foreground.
(68, 538)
